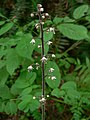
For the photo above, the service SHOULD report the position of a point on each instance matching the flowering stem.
(42, 66)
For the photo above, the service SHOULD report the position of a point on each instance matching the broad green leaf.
(2, 22)
(70, 85)
(3, 76)
(5, 92)
(48, 36)
(80, 11)
(58, 93)
(72, 31)
(87, 18)
(6, 28)
(2, 106)
(67, 19)
(25, 102)
(28, 103)
(24, 47)
(25, 79)
(13, 61)
(14, 90)
(11, 107)
(2, 63)
(35, 104)
(57, 20)
(53, 83)
(46, 47)
(26, 91)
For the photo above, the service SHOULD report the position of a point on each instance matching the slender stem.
(42, 64)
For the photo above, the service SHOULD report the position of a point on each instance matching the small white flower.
(30, 68)
(52, 30)
(46, 14)
(47, 95)
(41, 9)
(34, 97)
(32, 14)
(37, 25)
(43, 16)
(51, 70)
(37, 66)
(42, 23)
(53, 55)
(39, 46)
(39, 5)
(44, 59)
(32, 41)
(49, 43)
(42, 100)
(53, 78)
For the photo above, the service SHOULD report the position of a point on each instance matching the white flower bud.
(53, 55)
(46, 14)
(47, 95)
(43, 16)
(51, 70)
(49, 43)
(30, 68)
(32, 14)
(53, 78)
(34, 97)
(44, 59)
(32, 41)
(42, 23)
(52, 30)
(41, 9)
(39, 5)
(39, 46)
(37, 26)
(42, 100)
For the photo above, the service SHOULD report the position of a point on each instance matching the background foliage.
(70, 92)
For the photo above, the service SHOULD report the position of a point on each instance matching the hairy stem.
(42, 64)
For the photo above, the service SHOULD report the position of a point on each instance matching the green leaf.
(3, 76)
(56, 73)
(5, 92)
(25, 101)
(2, 63)
(6, 28)
(80, 11)
(2, 106)
(67, 19)
(57, 20)
(70, 85)
(2, 22)
(87, 18)
(13, 61)
(46, 47)
(72, 31)
(11, 107)
(48, 36)
(35, 104)
(24, 47)
(26, 91)
(58, 93)
(28, 103)
(25, 79)
(1, 15)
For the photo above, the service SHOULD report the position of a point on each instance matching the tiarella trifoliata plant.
(44, 57)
